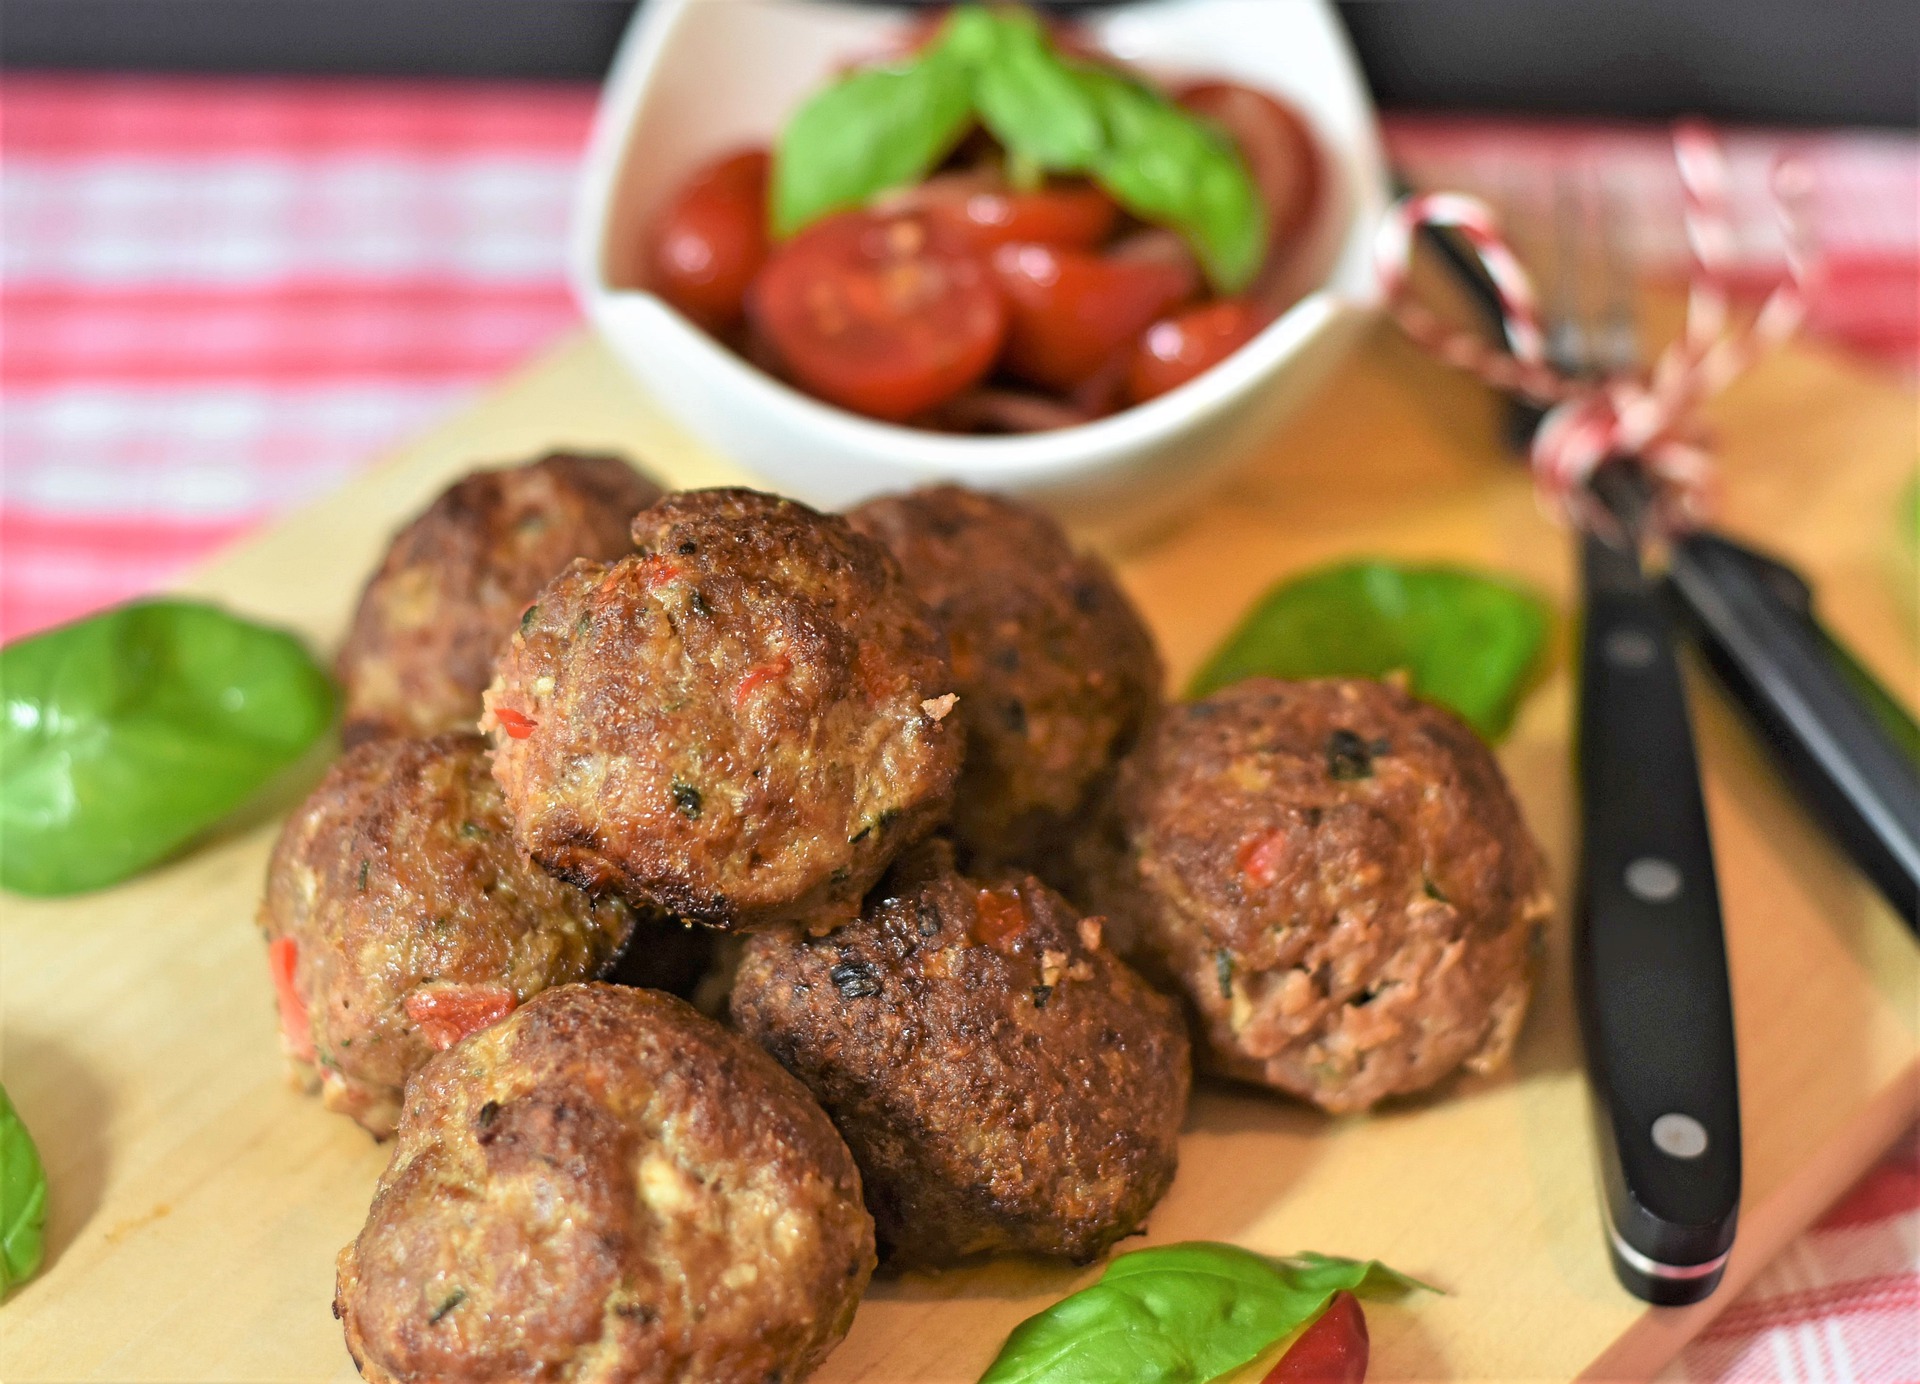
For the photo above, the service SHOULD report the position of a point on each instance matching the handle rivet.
(1679, 1136)
(1653, 880)
(1628, 647)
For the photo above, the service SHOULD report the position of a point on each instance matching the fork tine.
(1619, 310)
(1568, 339)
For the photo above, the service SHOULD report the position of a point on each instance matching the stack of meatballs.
(716, 894)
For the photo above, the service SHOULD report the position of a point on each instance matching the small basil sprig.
(1468, 641)
(884, 127)
(1181, 1314)
(129, 733)
(23, 1200)
(877, 128)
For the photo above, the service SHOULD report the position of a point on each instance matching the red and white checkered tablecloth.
(219, 297)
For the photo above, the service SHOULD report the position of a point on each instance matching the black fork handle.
(1656, 1009)
(1812, 706)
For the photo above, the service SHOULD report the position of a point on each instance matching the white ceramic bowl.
(695, 78)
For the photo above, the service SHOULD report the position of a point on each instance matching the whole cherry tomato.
(1276, 145)
(712, 240)
(886, 314)
(1073, 312)
(1331, 1351)
(1175, 349)
(1072, 215)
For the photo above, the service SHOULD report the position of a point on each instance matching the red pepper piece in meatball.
(741, 724)
(400, 916)
(1339, 879)
(606, 1186)
(453, 583)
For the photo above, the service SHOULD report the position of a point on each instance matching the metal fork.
(1651, 969)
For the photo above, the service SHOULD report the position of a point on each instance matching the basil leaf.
(23, 1200)
(129, 733)
(1181, 1314)
(1160, 162)
(1029, 99)
(1468, 641)
(874, 129)
(1166, 166)
(883, 127)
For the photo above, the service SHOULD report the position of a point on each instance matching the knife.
(1656, 1010)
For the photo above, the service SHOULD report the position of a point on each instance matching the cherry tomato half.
(712, 240)
(1175, 349)
(1072, 215)
(886, 314)
(1276, 145)
(1331, 1351)
(1073, 312)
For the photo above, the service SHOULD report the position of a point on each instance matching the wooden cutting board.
(198, 1202)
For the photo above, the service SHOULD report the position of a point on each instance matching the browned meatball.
(1338, 877)
(741, 724)
(400, 914)
(1005, 1083)
(606, 1187)
(439, 609)
(1057, 674)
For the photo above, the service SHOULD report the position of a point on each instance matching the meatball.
(741, 724)
(1006, 1084)
(399, 915)
(439, 609)
(606, 1187)
(1056, 672)
(1339, 880)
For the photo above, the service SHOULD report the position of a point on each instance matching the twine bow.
(1650, 415)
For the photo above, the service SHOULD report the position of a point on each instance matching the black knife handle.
(1814, 708)
(1656, 1011)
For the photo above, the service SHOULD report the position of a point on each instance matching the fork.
(1650, 956)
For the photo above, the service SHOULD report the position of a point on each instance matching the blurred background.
(246, 245)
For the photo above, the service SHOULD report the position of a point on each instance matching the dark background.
(1788, 61)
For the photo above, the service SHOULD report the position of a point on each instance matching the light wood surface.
(198, 1202)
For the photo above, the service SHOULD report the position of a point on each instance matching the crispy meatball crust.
(606, 1187)
(412, 915)
(742, 724)
(439, 609)
(1339, 879)
(1056, 671)
(1005, 1083)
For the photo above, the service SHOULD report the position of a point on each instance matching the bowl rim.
(1128, 429)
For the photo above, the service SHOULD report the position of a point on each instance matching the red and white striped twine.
(1646, 415)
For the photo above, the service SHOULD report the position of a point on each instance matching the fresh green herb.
(23, 1200)
(1468, 641)
(885, 127)
(1223, 972)
(1181, 1314)
(454, 1299)
(129, 733)
(1168, 167)
(874, 129)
